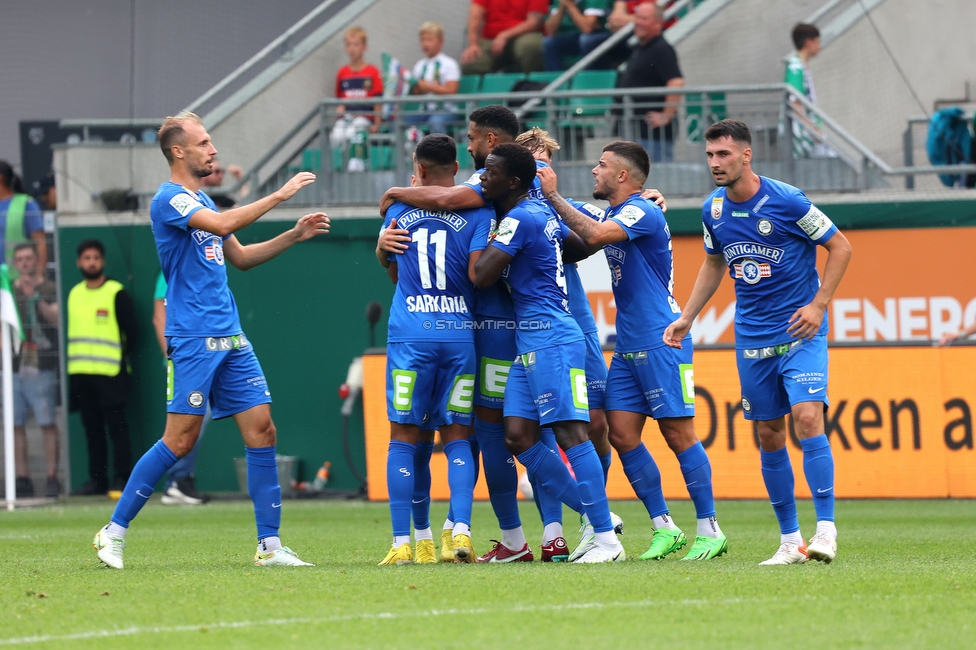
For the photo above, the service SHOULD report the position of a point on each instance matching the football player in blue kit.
(494, 338)
(646, 378)
(210, 359)
(430, 352)
(766, 234)
(547, 382)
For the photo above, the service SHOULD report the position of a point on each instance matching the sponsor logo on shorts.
(195, 399)
(746, 406)
(225, 343)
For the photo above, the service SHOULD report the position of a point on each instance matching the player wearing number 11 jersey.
(430, 349)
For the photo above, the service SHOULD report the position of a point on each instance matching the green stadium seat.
(501, 82)
(470, 83)
(702, 111)
(538, 118)
(312, 160)
(463, 157)
(380, 157)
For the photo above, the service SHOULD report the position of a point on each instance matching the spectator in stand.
(571, 27)
(435, 74)
(216, 179)
(504, 35)
(36, 367)
(102, 332)
(20, 218)
(357, 80)
(653, 63)
(807, 129)
(47, 193)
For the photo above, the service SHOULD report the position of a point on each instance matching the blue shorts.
(221, 368)
(596, 372)
(494, 343)
(659, 382)
(549, 385)
(430, 384)
(35, 393)
(775, 378)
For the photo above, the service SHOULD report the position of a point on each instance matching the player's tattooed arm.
(805, 321)
(594, 234)
(490, 266)
(433, 197)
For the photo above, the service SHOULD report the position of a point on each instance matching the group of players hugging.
(492, 342)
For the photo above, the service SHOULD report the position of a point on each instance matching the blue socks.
(818, 466)
(550, 508)
(778, 475)
(645, 478)
(400, 469)
(589, 479)
(698, 479)
(262, 485)
(475, 450)
(551, 474)
(500, 473)
(420, 500)
(147, 472)
(460, 477)
(605, 464)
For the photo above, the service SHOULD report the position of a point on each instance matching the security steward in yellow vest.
(101, 332)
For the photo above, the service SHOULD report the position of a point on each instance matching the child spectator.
(435, 74)
(357, 80)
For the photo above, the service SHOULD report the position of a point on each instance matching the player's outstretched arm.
(805, 321)
(247, 257)
(229, 222)
(594, 234)
(433, 197)
(489, 266)
(709, 277)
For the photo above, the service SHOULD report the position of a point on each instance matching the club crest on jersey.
(752, 271)
(717, 207)
(765, 226)
(215, 251)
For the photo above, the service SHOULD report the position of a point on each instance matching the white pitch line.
(365, 616)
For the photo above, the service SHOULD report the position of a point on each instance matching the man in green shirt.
(808, 138)
(569, 24)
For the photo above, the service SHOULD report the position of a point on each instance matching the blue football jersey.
(534, 237)
(642, 274)
(198, 300)
(493, 301)
(770, 244)
(579, 304)
(434, 299)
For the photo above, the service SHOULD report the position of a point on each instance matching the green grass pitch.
(904, 577)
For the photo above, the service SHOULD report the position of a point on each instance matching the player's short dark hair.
(436, 151)
(802, 33)
(496, 118)
(89, 244)
(517, 161)
(634, 155)
(734, 129)
(10, 178)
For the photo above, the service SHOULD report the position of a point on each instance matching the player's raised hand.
(393, 239)
(656, 197)
(297, 182)
(805, 322)
(675, 332)
(548, 180)
(310, 225)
